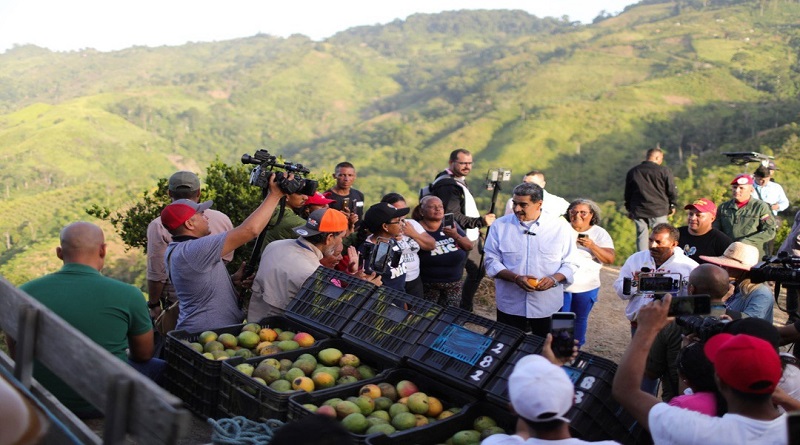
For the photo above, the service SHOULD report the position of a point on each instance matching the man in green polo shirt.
(111, 313)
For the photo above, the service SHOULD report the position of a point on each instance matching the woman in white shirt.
(595, 248)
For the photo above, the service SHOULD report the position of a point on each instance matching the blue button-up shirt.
(541, 250)
(772, 193)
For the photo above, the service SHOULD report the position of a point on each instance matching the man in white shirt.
(663, 256)
(552, 205)
(747, 370)
(769, 191)
(531, 257)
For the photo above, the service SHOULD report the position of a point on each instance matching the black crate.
(240, 395)
(596, 415)
(450, 397)
(464, 349)
(497, 386)
(196, 379)
(391, 321)
(439, 432)
(328, 300)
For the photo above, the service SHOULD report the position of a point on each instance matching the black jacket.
(650, 190)
(452, 196)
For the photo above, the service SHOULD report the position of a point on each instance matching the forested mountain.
(581, 102)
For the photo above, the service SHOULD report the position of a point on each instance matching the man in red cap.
(698, 237)
(206, 295)
(287, 264)
(744, 218)
(747, 370)
(182, 185)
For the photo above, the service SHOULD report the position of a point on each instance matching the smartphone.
(562, 326)
(449, 221)
(690, 305)
(346, 203)
(582, 235)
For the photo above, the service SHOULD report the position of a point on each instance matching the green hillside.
(582, 102)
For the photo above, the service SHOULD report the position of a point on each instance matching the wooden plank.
(153, 415)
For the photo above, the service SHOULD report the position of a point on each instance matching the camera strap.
(281, 212)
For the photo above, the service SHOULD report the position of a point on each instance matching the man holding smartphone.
(346, 199)
(747, 371)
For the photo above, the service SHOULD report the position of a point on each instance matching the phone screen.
(582, 235)
(381, 258)
(562, 326)
(449, 221)
(346, 204)
(690, 305)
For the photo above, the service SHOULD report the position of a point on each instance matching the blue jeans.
(154, 369)
(581, 303)
(642, 230)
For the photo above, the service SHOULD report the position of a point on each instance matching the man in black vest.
(450, 186)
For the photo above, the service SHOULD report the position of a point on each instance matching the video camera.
(782, 269)
(703, 327)
(265, 163)
(381, 256)
(656, 283)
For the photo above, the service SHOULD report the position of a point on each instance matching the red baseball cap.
(703, 205)
(317, 199)
(742, 179)
(745, 363)
(180, 211)
(323, 221)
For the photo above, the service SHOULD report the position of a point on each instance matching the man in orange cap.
(287, 264)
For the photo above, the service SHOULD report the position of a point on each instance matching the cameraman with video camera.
(747, 371)
(706, 279)
(206, 295)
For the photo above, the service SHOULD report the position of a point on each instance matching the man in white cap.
(751, 299)
(746, 219)
(182, 185)
(541, 394)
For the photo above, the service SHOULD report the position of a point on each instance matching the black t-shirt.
(712, 243)
(356, 201)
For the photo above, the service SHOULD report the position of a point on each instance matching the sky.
(108, 25)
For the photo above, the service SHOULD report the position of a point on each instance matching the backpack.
(428, 190)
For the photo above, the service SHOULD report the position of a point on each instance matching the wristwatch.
(153, 305)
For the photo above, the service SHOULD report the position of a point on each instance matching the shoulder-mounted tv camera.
(782, 269)
(265, 165)
(655, 283)
(381, 256)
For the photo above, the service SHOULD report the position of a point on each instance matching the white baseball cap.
(539, 390)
